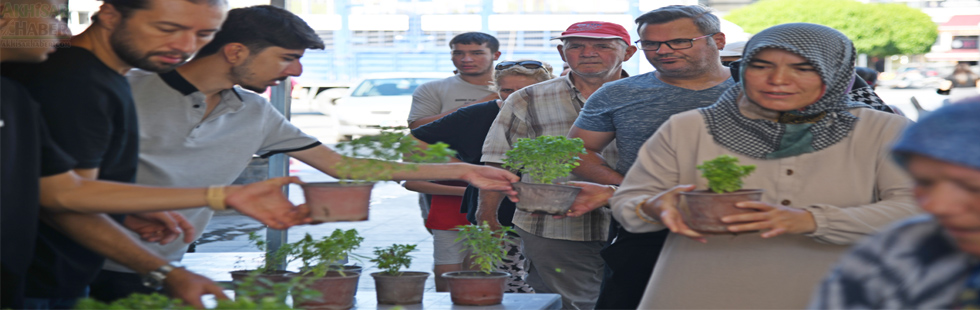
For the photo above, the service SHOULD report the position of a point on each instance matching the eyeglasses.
(530, 64)
(678, 44)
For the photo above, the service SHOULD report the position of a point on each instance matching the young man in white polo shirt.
(198, 127)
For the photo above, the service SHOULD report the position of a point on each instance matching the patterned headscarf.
(813, 128)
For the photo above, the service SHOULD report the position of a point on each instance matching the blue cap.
(950, 134)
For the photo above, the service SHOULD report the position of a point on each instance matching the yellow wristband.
(216, 197)
(643, 215)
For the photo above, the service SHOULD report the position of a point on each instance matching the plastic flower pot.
(704, 209)
(551, 199)
(264, 280)
(338, 202)
(403, 289)
(336, 291)
(475, 288)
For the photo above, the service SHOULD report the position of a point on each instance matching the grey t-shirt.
(178, 148)
(440, 96)
(636, 106)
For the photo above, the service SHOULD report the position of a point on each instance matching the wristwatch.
(154, 279)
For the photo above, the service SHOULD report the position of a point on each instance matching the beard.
(121, 43)
(695, 66)
(243, 76)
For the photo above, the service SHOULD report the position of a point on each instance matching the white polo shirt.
(179, 148)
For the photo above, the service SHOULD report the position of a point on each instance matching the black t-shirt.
(26, 154)
(89, 112)
(464, 130)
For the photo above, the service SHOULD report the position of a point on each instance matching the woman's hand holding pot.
(663, 207)
(774, 220)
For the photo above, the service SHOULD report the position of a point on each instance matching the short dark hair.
(476, 38)
(126, 7)
(706, 22)
(261, 26)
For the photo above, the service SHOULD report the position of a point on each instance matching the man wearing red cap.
(682, 43)
(563, 252)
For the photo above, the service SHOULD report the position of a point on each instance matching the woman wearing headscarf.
(821, 159)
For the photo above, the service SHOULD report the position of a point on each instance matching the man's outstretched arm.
(263, 201)
(485, 178)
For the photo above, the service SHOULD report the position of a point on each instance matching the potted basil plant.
(393, 286)
(368, 159)
(704, 209)
(322, 270)
(487, 251)
(543, 161)
(157, 301)
(264, 281)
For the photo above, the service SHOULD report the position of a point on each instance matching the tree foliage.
(877, 29)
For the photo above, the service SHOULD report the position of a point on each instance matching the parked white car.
(381, 100)
(306, 92)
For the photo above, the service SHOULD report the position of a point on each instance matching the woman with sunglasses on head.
(464, 130)
(821, 159)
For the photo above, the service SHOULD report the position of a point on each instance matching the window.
(964, 43)
(510, 40)
(377, 38)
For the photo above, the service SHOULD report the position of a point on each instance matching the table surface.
(432, 300)
(367, 300)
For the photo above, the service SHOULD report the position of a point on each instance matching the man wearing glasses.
(682, 43)
(563, 252)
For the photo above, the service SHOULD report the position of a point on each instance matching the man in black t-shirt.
(27, 153)
(87, 104)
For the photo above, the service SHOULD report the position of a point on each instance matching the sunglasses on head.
(530, 64)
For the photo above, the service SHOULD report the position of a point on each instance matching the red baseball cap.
(596, 30)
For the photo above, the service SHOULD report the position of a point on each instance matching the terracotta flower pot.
(704, 209)
(336, 291)
(264, 281)
(336, 202)
(404, 289)
(551, 199)
(475, 288)
(347, 269)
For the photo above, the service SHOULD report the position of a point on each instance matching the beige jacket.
(853, 188)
